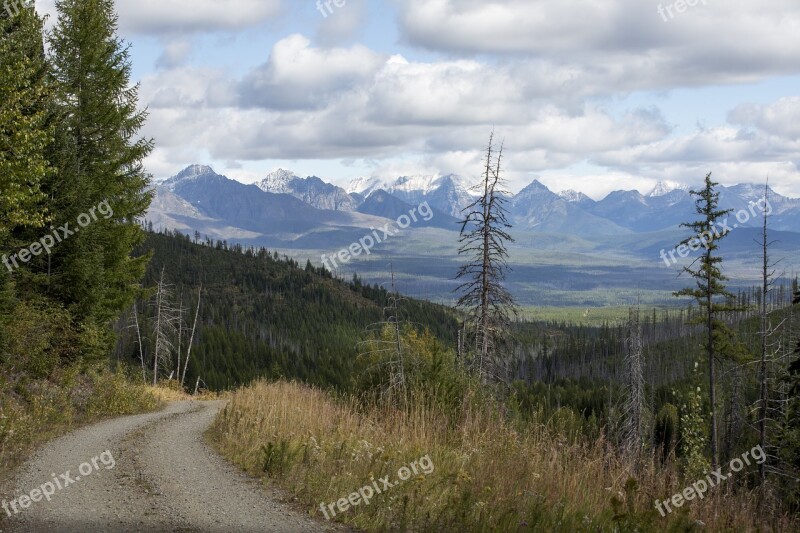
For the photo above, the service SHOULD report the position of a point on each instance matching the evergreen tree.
(486, 302)
(99, 165)
(25, 98)
(709, 289)
(790, 432)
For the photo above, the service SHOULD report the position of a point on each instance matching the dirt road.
(159, 476)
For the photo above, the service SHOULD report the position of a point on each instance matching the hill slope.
(265, 316)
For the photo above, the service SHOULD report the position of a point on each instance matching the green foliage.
(263, 316)
(709, 278)
(708, 291)
(113, 394)
(666, 431)
(431, 373)
(790, 430)
(25, 98)
(633, 513)
(98, 170)
(694, 435)
(66, 121)
(35, 410)
(278, 458)
(40, 338)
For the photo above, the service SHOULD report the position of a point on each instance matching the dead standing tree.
(633, 409)
(134, 323)
(182, 376)
(773, 362)
(385, 352)
(487, 305)
(164, 327)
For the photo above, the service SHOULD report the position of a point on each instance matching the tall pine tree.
(710, 292)
(25, 132)
(25, 98)
(99, 163)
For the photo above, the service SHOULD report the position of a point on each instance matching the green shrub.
(666, 431)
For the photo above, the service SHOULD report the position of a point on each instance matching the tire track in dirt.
(165, 478)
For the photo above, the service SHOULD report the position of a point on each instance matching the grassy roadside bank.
(33, 411)
(489, 473)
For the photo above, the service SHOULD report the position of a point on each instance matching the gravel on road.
(160, 476)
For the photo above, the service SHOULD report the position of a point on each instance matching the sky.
(590, 95)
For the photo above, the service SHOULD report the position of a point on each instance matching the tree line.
(723, 380)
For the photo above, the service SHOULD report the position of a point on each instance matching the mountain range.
(289, 209)
(569, 249)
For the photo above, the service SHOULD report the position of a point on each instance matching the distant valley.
(570, 250)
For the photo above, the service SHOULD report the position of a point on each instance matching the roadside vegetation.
(521, 443)
(495, 469)
(34, 410)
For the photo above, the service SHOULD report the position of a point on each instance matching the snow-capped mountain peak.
(311, 190)
(278, 182)
(447, 192)
(365, 185)
(192, 172)
(574, 197)
(665, 187)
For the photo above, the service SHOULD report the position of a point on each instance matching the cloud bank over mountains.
(601, 94)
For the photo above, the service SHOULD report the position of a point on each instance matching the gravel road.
(159, 476)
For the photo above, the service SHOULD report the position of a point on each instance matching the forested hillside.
(262, 315)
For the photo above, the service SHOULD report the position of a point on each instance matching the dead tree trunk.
(191, 338)
(634, 404)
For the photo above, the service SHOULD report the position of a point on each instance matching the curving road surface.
(160, 476)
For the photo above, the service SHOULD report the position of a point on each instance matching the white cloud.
(781, 118)
(298, 76)
(343, 24)
(316, 103)
(617, 44)
(159, 17)
(176, 52)
(321, 102)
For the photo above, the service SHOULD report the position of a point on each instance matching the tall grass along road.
(151, 472)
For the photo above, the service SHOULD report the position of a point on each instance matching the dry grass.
(171, 391)
(35, 410)
(488, 474)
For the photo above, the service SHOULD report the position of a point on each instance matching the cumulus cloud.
(160, 17)
(781, 118)
(344, 24)
(540, 74)
(623, 44)
(298, 76)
